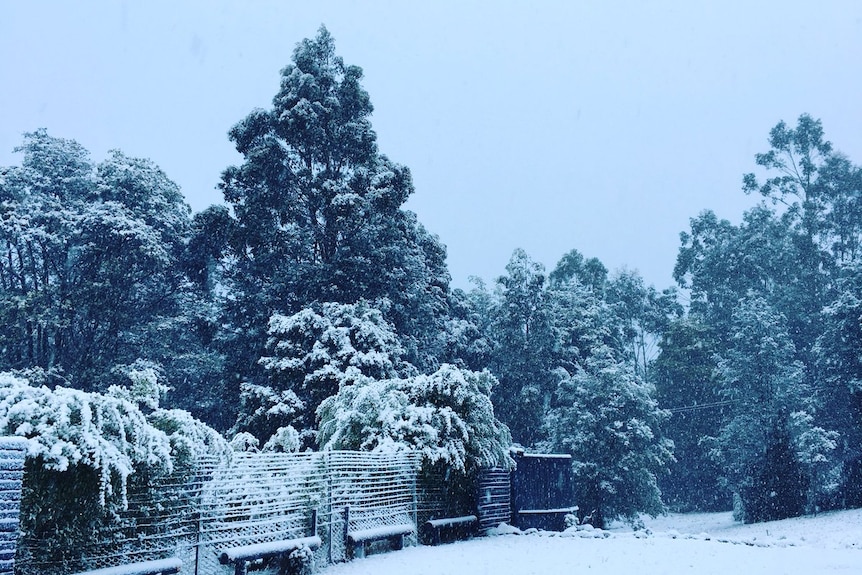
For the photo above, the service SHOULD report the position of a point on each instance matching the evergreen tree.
(839, 362)
(447, 416)
(317, 217)
(778, 488)
(764, 384)
(91, 278)
(313, 354)
(524, 341)
(608, 419)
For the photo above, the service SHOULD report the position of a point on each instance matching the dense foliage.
(313, 311)
(774, 301)
(85, 449)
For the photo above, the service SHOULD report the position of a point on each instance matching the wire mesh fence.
(212, 504)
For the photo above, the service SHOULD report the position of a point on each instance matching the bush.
(84, 451)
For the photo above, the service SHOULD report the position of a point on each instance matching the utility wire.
(701, 406)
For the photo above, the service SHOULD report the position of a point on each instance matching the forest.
(311, 310)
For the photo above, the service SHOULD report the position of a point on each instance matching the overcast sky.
(600, 126)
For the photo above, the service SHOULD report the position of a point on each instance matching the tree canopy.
(313, 310)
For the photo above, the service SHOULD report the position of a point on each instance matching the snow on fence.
(161, 521)
(12, 454)
(260, 498)
(253, 498)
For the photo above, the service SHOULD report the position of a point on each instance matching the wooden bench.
(436, 531)
(241, 555)
(156, 567)
(358, 540)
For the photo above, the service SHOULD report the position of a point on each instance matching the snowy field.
(675, 544)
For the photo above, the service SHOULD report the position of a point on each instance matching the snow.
(547, 455)
(672, 545)
(465, 519)
(381, 532)
(247, 552)
(171, 565)
(541, 511)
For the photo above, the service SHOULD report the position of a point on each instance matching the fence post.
(330, 510)
(198, 528)
(13, 452)
(346, 522)
(414, 493)
(314, 522)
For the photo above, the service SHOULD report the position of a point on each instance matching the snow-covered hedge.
(108, 433)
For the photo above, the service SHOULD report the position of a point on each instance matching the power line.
(701, 406)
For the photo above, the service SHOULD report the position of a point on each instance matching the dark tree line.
(312, 286)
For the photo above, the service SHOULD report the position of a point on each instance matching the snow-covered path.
(827, 544)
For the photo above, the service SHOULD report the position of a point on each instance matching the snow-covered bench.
(357, 540)
(449, 528)
(241, 555)
(156, 567)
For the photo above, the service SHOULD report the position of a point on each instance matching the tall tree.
(644, 313)
(686, 386)
(523, 354)
(813, 183)
(318, 214)
(768, 392)
(839, 357)
(589, 272)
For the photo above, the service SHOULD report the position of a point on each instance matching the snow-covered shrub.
(312, 354)
(447, 416)
(84, 450)
(244, 442)
(301, 561)
(69, 428)
(264, 409)
(815, 447)
(189, 438)
(146, 384)
(284, 440)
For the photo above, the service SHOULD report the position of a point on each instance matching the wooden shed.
(542, 491)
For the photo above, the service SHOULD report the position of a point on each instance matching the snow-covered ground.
(710, 543)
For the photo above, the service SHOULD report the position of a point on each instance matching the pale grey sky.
(601, 126)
